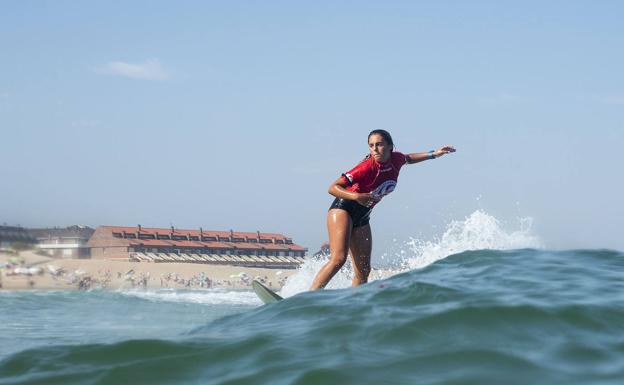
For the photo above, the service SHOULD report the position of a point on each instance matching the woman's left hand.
(443, 150)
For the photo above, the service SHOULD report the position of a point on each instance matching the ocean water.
(479, 305)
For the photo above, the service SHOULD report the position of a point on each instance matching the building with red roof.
(195, 246)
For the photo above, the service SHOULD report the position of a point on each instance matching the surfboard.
(265, 294)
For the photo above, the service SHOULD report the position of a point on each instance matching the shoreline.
(82, 274)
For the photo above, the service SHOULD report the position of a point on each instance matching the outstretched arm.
(420, 156)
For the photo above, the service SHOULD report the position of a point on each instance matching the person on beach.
(357, 192)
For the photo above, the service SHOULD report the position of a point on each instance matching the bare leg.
(361, 248)
(339, 229)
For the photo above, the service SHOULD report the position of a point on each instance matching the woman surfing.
(357, 192)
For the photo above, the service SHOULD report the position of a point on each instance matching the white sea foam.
(302, 279)
(478, 231)
(206, 297)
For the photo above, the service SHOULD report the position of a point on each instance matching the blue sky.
(238, 115)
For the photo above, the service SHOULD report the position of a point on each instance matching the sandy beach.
(32, 271)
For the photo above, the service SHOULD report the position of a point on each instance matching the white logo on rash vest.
(385, 188)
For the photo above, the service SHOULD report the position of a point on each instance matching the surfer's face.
(379, 148)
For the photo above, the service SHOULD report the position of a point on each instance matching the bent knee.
(338, 259)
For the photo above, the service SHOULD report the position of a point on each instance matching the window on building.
(179, 237)
(130, 236)
(194, 238)
(279, 241)
(117, 235)
(147, 236)
(224, 239)
(289, 241)
(266, 241)
(252, 240)
(209, 239)
(162, 236)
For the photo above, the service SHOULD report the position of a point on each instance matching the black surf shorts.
(360, 215)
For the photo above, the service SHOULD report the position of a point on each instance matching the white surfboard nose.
(265, 294)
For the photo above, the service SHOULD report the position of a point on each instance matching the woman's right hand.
(367, 199)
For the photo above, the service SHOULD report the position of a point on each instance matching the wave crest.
(477, 231)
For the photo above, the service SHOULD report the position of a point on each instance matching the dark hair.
(384, 134)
